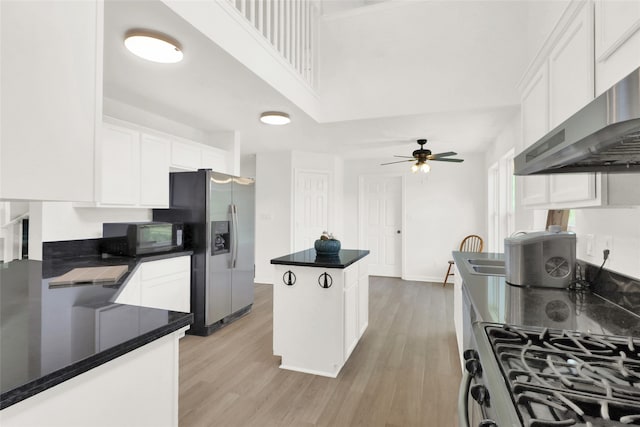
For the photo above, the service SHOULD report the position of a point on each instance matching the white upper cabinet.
(571, 69)
(185, 156)
(535, 107)
(214, 159)
(562, 84)
(51, 72)
(119, 174)
(154, 170)
(133, 168)
(133, 164)
(191, 156)
(571, 83)
(617, 41)
(559, 84)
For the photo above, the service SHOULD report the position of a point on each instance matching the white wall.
(370, 68)
(621, 227)
(273, 211)
(275, 175)
(442, 207)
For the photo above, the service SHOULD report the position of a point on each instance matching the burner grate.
(567, 378)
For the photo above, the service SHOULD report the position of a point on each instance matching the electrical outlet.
(607, 243)
(589, 239)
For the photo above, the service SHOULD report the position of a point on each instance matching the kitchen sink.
(490, 270)
(484, 261)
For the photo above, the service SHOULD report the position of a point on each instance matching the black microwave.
(141, 238)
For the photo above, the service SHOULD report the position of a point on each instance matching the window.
(501, 202)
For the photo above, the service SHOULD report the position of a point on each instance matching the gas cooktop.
(568, 378)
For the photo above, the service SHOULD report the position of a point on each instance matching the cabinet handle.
(289, 278)
(325, 280)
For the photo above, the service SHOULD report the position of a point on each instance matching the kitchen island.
(72, 356)
(320, 309)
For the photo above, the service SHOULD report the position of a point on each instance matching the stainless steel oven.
(483, 399)
(531, 376)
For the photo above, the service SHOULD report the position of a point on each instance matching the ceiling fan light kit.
(422, 155)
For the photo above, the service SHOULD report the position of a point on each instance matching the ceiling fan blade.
(447, 154)
(405, 157)
(401, 161)
(447, 160)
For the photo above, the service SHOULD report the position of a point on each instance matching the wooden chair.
(471, 243)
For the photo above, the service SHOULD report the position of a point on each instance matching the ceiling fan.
(422, 155)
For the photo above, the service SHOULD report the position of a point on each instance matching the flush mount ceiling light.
(153, 46)
(275, 118)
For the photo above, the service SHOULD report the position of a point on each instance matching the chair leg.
(447, 275)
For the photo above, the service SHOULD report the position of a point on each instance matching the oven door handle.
(463, 399)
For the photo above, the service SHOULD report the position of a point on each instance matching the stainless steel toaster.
(541, 259)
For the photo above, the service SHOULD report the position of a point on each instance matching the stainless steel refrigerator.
(218, 213)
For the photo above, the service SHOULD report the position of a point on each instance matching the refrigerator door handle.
(234, 242)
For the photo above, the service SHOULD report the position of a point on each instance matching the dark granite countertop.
(309, 258)
(494, 300)
(46, 334)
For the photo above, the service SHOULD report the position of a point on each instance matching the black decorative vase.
(327, 247)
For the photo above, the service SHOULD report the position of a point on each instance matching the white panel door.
(381, 222)
(311, 214)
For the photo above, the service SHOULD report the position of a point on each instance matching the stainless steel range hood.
(604, 136)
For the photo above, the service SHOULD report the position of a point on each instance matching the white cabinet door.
(351, 334)
(213, 159)
(535, 107)
(571, 83)
(185, 156)
(119, 160)
(535, 124)
(579, 187)
(571, 69)
(154, 171)
(617, 41)
(363, 298)
(51, 98)
(166, 284)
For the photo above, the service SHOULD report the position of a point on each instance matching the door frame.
(403, 215)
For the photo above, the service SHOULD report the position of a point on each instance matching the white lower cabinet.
(139, 388)
(164, 284)
(315, 329)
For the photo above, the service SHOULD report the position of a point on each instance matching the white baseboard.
(263, 280)
(424, 279)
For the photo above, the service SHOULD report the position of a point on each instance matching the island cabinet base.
(315, 328)
(139, 388)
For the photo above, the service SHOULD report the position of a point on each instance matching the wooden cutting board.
(90, 275)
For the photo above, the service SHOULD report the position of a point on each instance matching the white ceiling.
(211, 91)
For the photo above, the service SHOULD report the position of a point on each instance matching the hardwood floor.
(403, 372)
